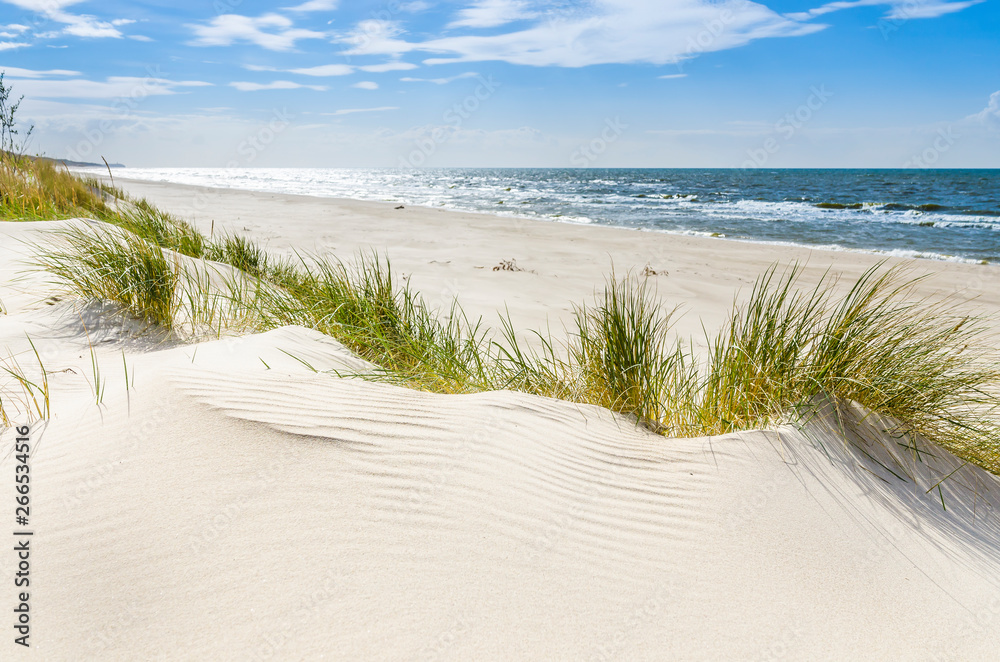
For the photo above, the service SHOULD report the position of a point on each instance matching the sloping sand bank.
(229, 502)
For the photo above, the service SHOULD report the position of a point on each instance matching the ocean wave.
(902, 207)
(697, 203)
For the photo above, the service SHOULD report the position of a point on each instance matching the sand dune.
(235, 499)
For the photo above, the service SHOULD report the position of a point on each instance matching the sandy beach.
(232, 499)
(452, 254)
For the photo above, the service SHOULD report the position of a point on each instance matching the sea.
(938, 214)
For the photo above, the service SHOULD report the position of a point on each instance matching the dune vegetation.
(923, 365)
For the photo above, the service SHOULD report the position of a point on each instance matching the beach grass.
(38, 189)
(240, 253)
(922, 364)
(362, 305)
(624, 353)
(144, 220)
(110, 264)
(34, 397)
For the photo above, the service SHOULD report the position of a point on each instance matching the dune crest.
(304, 513)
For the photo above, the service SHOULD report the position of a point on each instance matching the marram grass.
(110, 264)
(37, 189)
(926, 366)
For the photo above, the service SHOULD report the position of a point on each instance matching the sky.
(509, 83)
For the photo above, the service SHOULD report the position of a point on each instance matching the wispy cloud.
(990, 115)
(669, 76)
(366, 85)
(325, 70)
(440, 81)
(276, 85)
(898, 9)
(314, 5)
(351, 111)
(15, 72)
(42, 5)
(114, 87)
(77, 25)
(492, 13)
(374, 37)
(271, 31)
(11, 45)
(388, 66)
(11, 31)
(603, 32)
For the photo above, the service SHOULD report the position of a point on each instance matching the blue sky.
(604, 83)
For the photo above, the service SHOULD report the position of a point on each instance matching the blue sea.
(938, 214)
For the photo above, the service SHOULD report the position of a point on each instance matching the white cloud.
(86, 26)
(491, 13)
(325, 70)
(111, 88)
(366, 85)
(669, 76)
(321, 70)
(388, 66)
(11, 31)
(314, 5)
(373, 37)
(440, 81)
(11, 45)
(990, 115)
(604, 32)
(270, 31)
(139, 37)
(351, 111)
(276, 85)
(15, 72)
(42, 6)
(77, 25)
(898, 9)
(927, 8)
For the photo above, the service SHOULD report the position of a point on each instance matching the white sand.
(218, 509)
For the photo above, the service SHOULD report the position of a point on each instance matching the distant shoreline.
(771, 227)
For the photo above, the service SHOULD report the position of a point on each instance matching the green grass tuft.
(115, 265)
(38, 189)
(146, 221)
(240, 253)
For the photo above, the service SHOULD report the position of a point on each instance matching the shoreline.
(565, 263)
(927, 253)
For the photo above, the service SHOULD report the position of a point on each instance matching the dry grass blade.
(32, 401)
